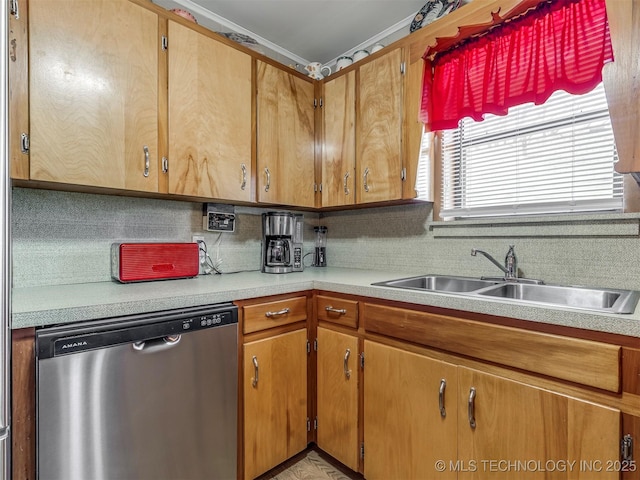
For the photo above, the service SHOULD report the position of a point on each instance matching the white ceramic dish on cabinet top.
(360, 54)
(431, 11)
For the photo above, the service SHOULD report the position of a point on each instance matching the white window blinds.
(539, 159)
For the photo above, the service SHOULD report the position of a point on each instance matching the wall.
(65, 238)
(597, 250)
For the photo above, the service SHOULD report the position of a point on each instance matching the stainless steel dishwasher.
(149, 396)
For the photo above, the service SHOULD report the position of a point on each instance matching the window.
(556, 157)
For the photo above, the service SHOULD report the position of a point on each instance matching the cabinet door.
(405, 432)
(209, 117)
(93, 83)
(338, 375)
(515, 422)
(339, 155)
(275, 401)
(285, 122)
(18, 78)
(379, 129)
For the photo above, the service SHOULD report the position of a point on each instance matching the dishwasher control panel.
(139, 330)
(206, 321)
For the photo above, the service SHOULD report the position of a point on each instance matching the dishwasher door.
(151, 402)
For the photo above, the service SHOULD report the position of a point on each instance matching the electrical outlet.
(201, 251)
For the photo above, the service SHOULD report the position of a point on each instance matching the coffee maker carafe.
(281, 242)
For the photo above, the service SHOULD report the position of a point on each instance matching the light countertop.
(49, 305)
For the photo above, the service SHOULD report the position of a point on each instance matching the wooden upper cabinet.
(621, 82)
(93, 82)
(413, 131)
(210, 123)
(339, 154)
(18, 91)
(285, 144)
(379, 129)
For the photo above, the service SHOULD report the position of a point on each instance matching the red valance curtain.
(561, 45)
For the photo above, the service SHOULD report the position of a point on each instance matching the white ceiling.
(310, 30)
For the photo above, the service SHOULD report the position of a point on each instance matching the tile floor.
(309, 466)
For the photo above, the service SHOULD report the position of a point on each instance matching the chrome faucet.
(510, 267)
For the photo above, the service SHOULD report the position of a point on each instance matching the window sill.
(578, 225)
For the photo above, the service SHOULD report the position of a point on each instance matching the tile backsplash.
(65, 238)
(402, 238)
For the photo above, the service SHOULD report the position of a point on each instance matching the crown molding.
(195, 8)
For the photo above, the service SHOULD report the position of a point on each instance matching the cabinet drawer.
(337, 310)
(273, 314)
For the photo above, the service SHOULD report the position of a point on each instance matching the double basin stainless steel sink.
(526, 291)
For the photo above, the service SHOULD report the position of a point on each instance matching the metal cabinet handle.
(472, 408)
(254, 381)
(443, 386)
(365, 175)
(284, 311)
(346, 187)
(146, 161)
(347, 372)
(14, 9)
(339, 311)
(24, 143)
(244, 176)
(266, 187)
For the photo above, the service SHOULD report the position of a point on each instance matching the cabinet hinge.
(308, 425)
(315, 345)
(165, 43)
(626, 448)
(403, 174)
(14, 9)
(362, 450)
(165, 164)
(362, 360)
(403, 68)
(315, 423)
(24, 143)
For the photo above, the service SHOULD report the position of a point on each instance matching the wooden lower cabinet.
(510, 428)
(491, 425)
(338, 376)
(275, 400)
(405, 432)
